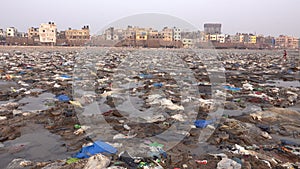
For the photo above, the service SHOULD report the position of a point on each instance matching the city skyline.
(261, 17)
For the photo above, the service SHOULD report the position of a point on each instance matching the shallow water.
(36, 103)
(35, 143)
(281, 83)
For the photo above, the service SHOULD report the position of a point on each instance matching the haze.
(268, 17)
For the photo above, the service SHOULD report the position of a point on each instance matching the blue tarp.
(96, 148)
(202, 123)
(63, 98)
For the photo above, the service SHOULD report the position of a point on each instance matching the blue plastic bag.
(96, 148)
(63, 98)
(202, 123)
(234, 89)
(157, 84)
(66, 76)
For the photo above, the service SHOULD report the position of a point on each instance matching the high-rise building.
(212, 28)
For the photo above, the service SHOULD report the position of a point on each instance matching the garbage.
(204, 162)
(157, 85)
(227, 163)
(19, 163)
(97, 161)
(77, 126)
(76, 103)
(96, 148)
(3, 117)
(260, 102)
(203, 123)
(72, 160)
(63, 98)
(234, 89)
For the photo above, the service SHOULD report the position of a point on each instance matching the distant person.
(284, 54)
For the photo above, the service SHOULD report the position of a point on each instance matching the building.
(221, 38)
(187, 43)
(109, 33)
(11, 32)
(154, 34)
(252, 39)
(77, 37)
(213, 38)
(47, 33)
(2, 37)
(33, 32)
(177, 34)
(167, 34)
(212, 28)
(141, 34)
(118, 34)
(287, 42)
(2, 33)
(129, 33)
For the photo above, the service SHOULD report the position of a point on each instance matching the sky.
(267, 17)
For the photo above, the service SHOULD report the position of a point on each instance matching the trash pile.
(148, 108)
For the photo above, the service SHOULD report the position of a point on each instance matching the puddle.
(35, 143)
(281, 83)
(36, 103)
(6, 85)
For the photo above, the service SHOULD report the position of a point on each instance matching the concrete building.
(33, 32)
(2, 37)
(187, 43)
(2, 33)
(287, 42)
(47, 32)
(177, 34)
(167, 34)
(141, 34)
(213, 38)
(118, 34)
(78, 37)
(154, 34)
(252, 39)
(11, 32)
(109, 33)
(129, 33)
(221, 38)
(212, 28)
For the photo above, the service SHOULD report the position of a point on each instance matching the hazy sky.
(268, 17)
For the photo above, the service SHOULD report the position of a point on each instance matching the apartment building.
(47, 33)
(11, 32)
(177, 34)
(167, 34)
(77, 37)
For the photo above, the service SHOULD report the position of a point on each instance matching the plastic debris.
(63, 98)
(203, 123)
(98, 161)
(96, 148)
